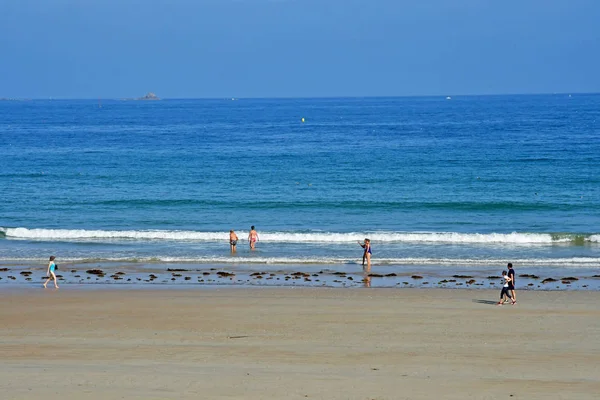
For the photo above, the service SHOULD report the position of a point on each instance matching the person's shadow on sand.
(489, 302)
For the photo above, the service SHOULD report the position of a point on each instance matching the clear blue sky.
(297, 48)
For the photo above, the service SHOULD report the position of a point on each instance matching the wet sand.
(298, 343)
(307, 275)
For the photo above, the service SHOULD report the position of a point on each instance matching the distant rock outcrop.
(149, 96)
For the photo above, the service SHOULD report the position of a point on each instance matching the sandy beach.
(298, 343)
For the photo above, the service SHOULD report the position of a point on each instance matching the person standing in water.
(366, 245)
(50, 272)
(233, 239)
(252, 237)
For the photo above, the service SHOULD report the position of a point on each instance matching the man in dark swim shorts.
(232, 240)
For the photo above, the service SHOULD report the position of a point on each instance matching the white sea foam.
(297, 237)
(581, 262)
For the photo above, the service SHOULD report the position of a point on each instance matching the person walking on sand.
(511, 284)
(252, 237)
(50, 272)
(505, 293)
(233, 239)
(366, 245)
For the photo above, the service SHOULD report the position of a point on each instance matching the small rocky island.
(149, 96)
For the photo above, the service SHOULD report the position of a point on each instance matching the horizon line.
(298, 97)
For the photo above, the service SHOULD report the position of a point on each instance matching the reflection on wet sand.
(367, 280)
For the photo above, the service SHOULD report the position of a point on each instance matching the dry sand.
(298, 343)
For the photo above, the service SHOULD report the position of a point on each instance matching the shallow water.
(470, 184)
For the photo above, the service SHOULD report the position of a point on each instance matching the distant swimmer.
(50, 272)
(252, 237)
(233, 239)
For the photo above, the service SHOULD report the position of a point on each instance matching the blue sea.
(438, 185)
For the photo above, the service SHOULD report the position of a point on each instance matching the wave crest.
(303, 237)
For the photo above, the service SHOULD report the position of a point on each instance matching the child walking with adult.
(50, 272)
(505, 293)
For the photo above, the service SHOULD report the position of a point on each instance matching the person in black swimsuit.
(233, 239)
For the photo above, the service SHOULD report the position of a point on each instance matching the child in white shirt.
(505, 293)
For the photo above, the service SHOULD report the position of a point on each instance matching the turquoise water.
(435, 183)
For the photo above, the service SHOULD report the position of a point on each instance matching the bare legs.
(367, 269)
(504, 296)
(367, 257)
(51, 277)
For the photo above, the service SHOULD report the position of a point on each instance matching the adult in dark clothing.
(511, 283)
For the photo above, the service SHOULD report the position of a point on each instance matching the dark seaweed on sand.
(547, 280)
(529, 276)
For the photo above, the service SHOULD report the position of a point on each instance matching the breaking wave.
(522, 238)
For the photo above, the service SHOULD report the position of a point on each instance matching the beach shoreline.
(297, 275)
(298, 343)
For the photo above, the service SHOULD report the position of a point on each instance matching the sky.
(297, 48)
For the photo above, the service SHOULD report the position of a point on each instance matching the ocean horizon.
(323, 97)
